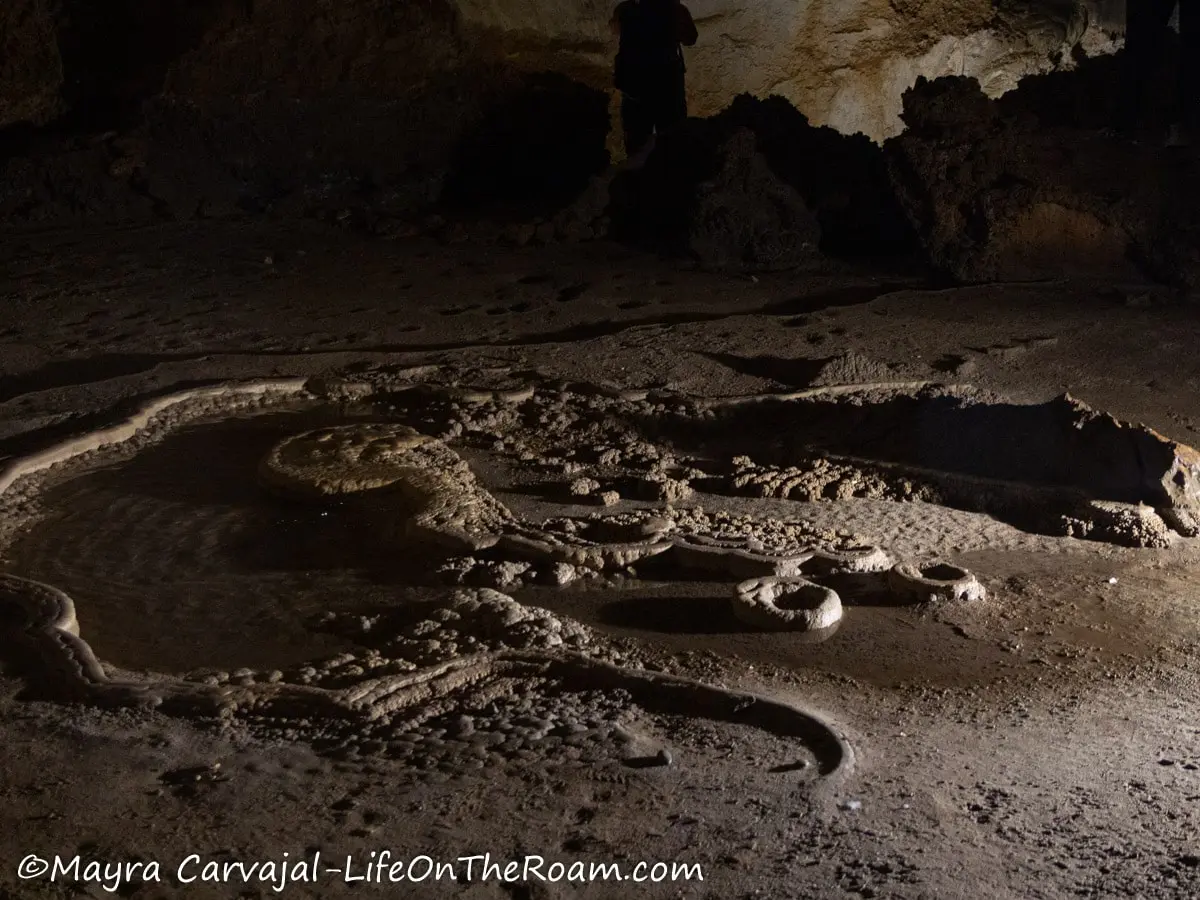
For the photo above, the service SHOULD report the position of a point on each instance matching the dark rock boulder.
(747, 219)
(31, 69)
(758, 187)
(843, 178)
(706, 191)
(71, 182)
(996, 194)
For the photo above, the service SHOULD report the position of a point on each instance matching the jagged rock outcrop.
(365, 109)
(736, 216)
(71, 182)
(758, 187)
(844, 179)
(845, 64)
(999, 190)
(706, 191)
(745, 218)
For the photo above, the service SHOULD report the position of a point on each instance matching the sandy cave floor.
(1041, 743)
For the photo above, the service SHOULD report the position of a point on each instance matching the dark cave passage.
(532, 153)
(115, 54)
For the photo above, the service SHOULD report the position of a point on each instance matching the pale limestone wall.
(844, 63)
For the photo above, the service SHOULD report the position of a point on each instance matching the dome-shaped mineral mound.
(417, 477)
(350, 459)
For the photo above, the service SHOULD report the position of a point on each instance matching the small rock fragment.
(582, 487)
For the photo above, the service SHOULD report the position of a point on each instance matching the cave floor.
(1042, 744)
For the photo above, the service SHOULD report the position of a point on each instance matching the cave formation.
(504, 111)
(388, 460)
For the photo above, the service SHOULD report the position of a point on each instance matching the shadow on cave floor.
(853, 295)
(706, 609)
(936, 432)
(84, 370)
(671, 615)
(1059, 445)
(879, 643)
(792, 372)
(68, 372)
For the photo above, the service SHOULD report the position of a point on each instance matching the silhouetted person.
(1147, 27)
(649, 69)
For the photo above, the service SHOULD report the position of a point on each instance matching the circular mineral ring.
(937, 582)
(757, 603)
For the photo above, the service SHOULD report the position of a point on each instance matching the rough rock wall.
(758, 187)
(320, 107)
(31, 76)
(707, 192)
(319, 48)
(1026, 187)
(843, 63)
(846, 65)
(327, 106)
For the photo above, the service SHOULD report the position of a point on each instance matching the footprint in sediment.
(572, 292)
(515, 308)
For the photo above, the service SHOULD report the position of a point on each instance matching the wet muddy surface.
(182, 562)
(1040, 743)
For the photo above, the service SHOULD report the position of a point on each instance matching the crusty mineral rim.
(68, 662)
(330, 386)
(71, 669)
(757, 603)
(129, 427)
(911, 582)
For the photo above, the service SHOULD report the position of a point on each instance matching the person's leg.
(676, 101)
(637, 121)
(670, 103)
